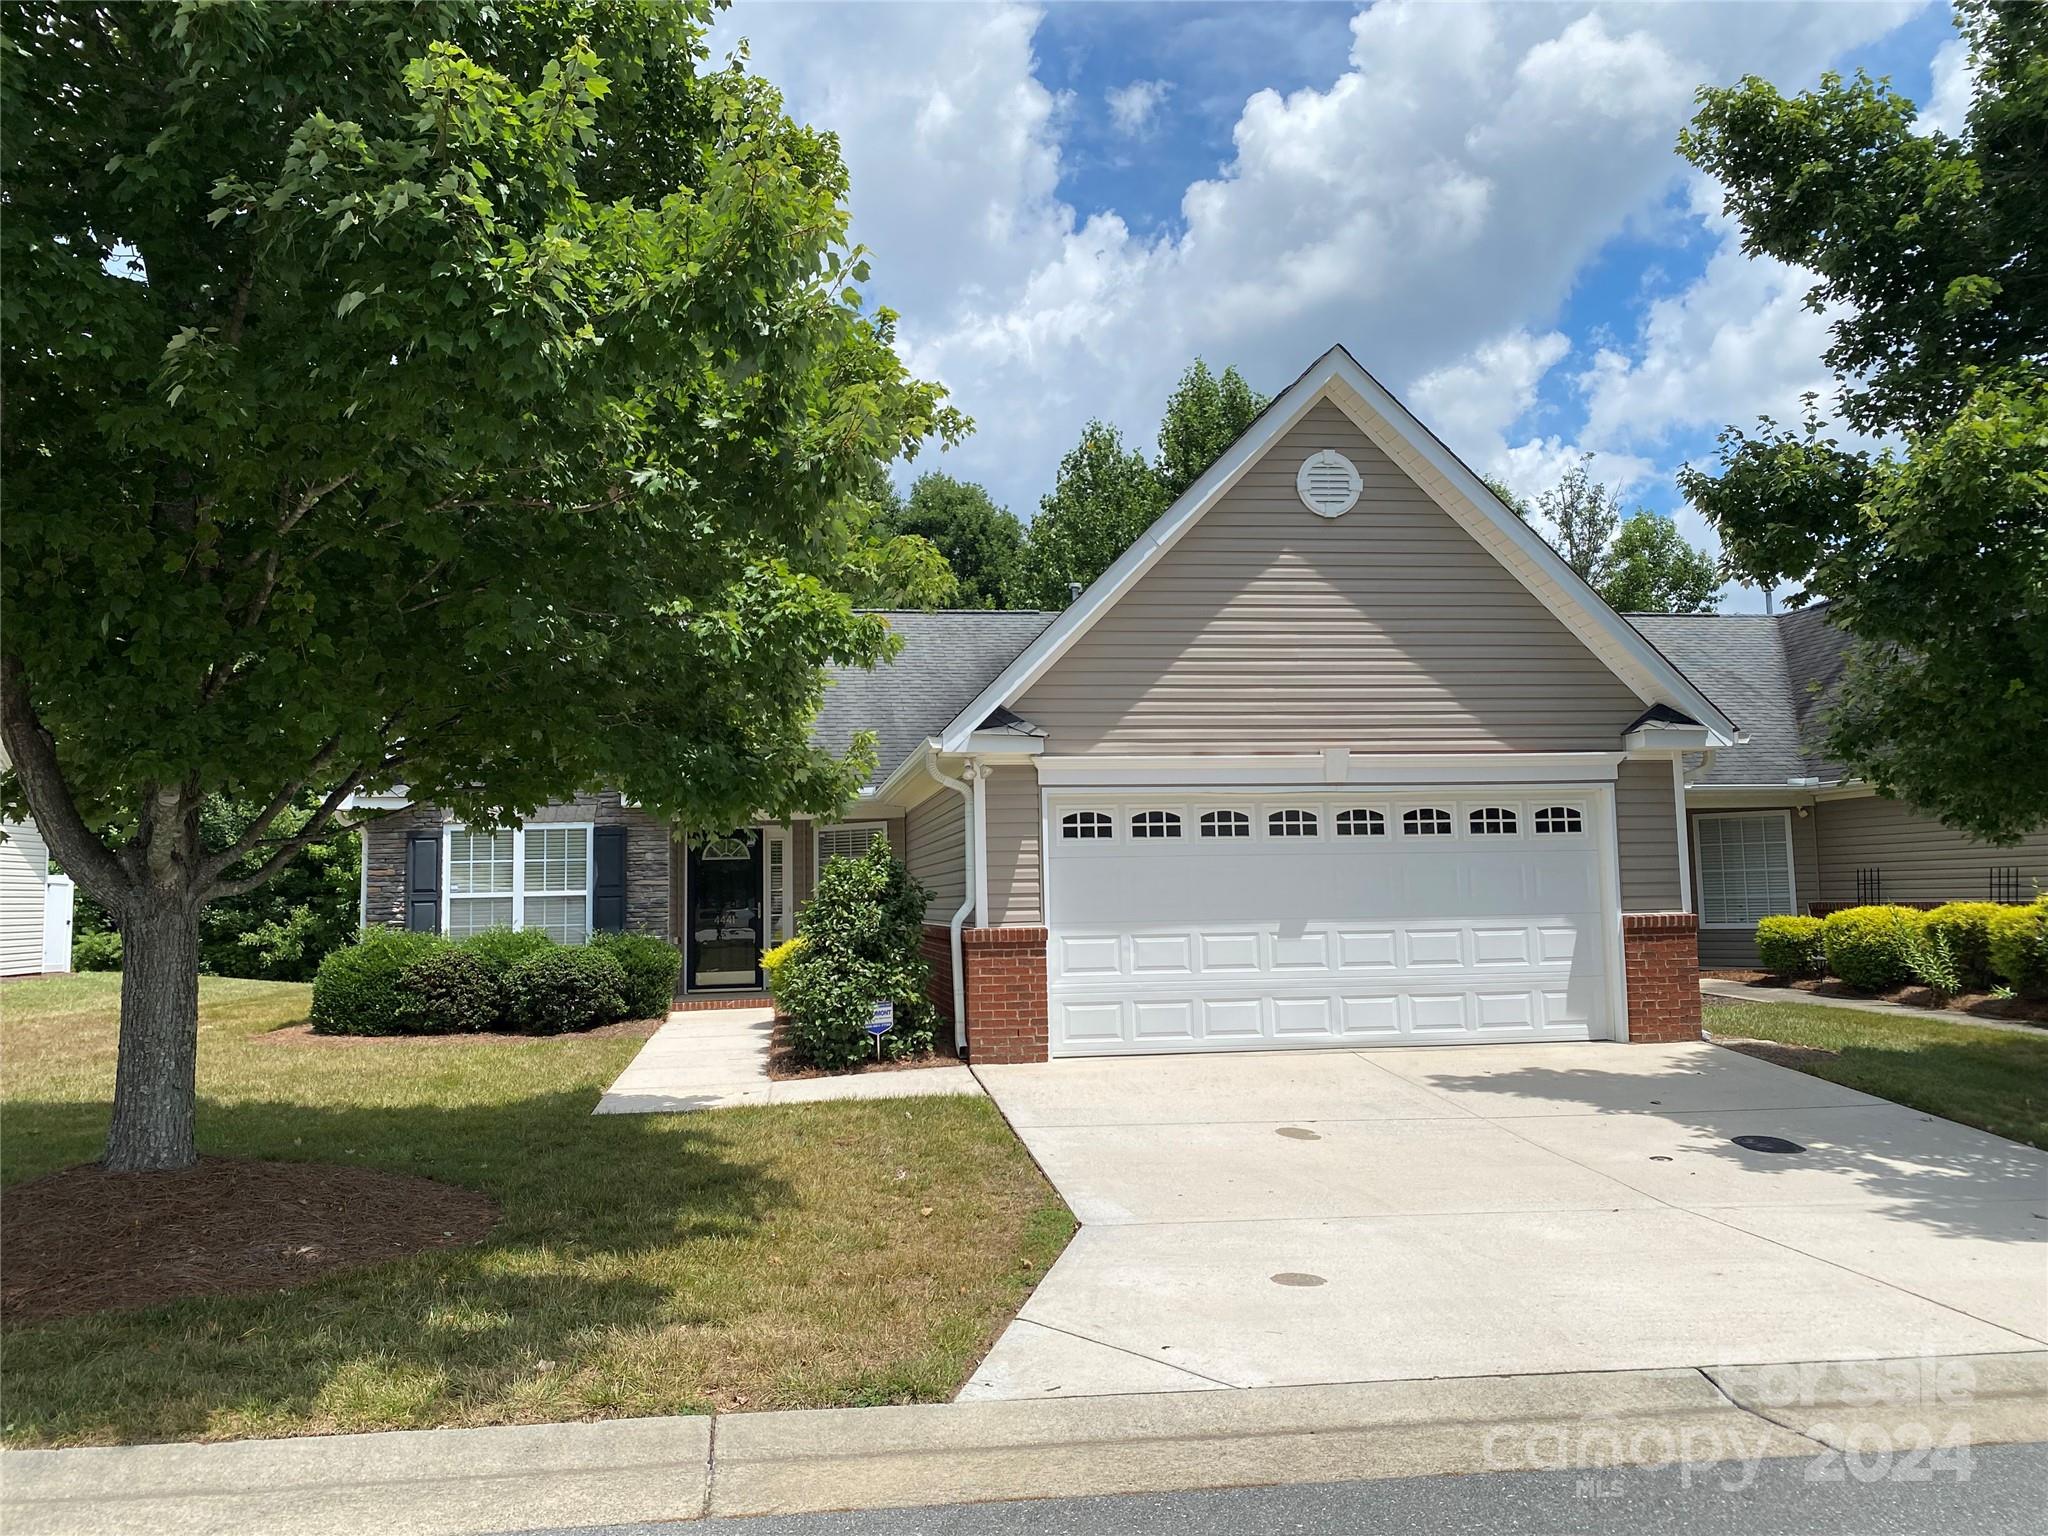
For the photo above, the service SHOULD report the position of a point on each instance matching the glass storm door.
(725, 918)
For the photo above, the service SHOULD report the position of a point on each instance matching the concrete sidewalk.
(432, 1482)
(1744, 992)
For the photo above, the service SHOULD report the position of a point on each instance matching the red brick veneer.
(1660, 951)
(937, 948)
(1006, 1011)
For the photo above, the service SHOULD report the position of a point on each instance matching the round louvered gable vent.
(1329, 483)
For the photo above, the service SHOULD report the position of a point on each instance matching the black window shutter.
(423, 882)
(608, 887)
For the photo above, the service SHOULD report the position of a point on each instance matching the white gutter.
(977, 875)
(968, 796)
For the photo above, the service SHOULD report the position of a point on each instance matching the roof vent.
(1329, 483)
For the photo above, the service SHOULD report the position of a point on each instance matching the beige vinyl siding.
(1646, 834)
(1735, 948)
(1917, 858)
(1013, 852)
(1270, 629)
(935, 851)
(24, 872)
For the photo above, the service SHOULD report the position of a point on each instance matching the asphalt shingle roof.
(1770, 672)
(947, 658)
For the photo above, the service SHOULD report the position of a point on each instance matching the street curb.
(435, 1482)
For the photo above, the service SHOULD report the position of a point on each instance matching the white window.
(1087, 826)
(1426, 822)
(1156, 824)
(1361, 824)
(1291, 824)
(1552, 819)
(520, 877)
(1745, 867)
(480, 880)
(1492, 821)
(847, 842)
(1226, 824)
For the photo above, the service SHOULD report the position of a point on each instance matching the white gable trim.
(1338, 377)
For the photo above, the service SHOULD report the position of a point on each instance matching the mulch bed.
(2017, 1009)
(83, 1240)
(1797, 1057)
(302, 1034)
(782, 1063)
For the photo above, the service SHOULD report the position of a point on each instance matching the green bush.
(448, 991)
(1965, 927)
(499, 949)
(862, 932)
(1790, 946)
(355, 991)
(773, 962)
(564, 989)
(2019, 948)
(651, 969)
(1871, 947)
(96, 951)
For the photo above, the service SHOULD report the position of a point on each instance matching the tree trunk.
(154, 1085)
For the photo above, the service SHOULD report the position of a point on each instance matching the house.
(35, 904)
(1340, 753)
(1773, 825)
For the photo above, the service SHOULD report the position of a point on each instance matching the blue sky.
(1066, 203)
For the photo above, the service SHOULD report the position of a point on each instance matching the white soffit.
(1338, 377)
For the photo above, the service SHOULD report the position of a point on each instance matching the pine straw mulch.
(784, 1067)
(302, 1034)
(2018, 1010)
(84, 1240)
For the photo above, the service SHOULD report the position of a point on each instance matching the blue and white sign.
(882, 1020)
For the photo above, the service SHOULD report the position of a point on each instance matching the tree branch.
(290, 846)
(252, 834)
(32, 752)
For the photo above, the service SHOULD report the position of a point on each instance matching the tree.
(1204, 416)
(1583, 515)
(1927, 249)
(1105, 496)
(1650, 568)
(981, 541)
(1509, 497)
(463, 398)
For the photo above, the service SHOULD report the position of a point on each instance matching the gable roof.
(1777, 671)
(1338, 377)
(947, 658)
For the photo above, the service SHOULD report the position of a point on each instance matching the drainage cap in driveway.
(1768, 1144)
(1295, 1277)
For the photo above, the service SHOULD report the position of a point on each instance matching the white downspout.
(967, 797)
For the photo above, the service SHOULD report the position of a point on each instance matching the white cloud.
(1438, 196)
(1955, 79)
(1133, 107)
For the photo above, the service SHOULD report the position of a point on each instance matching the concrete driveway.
(1299, 1217)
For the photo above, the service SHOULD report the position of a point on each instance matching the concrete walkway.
(717, 1058)
(1297, 1217)
(1743, 992)
(440, 1482)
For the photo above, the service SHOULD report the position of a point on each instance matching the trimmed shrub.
(1965, 927)
(564, 989)
(651, 969)
(448, 991)
(1790, 946)
(355, 991)
(860, 947)
(499, 949)
(2019, 948)
(1871, 947)
(773, 962)
(96, 951)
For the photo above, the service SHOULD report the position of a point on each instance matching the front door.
(724, 911)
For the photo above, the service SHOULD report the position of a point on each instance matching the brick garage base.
(937, 948)
(1006, 1011)
(1661, 953)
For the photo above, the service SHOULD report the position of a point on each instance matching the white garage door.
(1183, 923)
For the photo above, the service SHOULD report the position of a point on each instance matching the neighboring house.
(1775, 825)
(1339, 753)
(35, 905)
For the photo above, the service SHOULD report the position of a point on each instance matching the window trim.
(1540, 808)
(1373, 825)
(1699, 873)
(1448, 827)
(1240, 829)
(1314, 813)
(1073, 834)
(1170, 827)
(518, 831)
(874, 829)
(1475, 825)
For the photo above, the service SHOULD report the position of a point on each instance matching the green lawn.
(1992, 1078)
(747, 1258)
